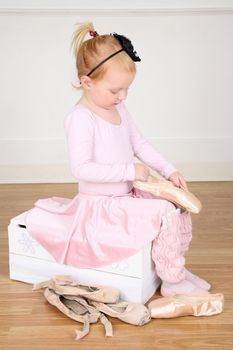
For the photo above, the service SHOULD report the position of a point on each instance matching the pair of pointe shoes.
(165, 189)
(187, 305)
(88, 304)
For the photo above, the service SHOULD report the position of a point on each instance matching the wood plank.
(28, 322)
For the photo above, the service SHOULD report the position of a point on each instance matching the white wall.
(182, 98)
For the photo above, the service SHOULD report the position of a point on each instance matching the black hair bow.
(127, 46)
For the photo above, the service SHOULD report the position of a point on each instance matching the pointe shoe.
(199, 282)
(166, 189)
(78, 310)
(183, 287)
(186, 305)
(133, 313)
(65, 285)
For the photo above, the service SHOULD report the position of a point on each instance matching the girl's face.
(112, 89)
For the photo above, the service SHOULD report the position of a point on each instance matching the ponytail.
(79, 35)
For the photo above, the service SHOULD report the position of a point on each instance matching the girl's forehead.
(118, 75)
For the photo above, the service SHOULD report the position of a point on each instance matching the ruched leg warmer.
(168, 250)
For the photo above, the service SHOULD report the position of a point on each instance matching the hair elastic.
(93, 33)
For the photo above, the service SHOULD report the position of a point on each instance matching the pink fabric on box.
(108, 220)
(96, 230)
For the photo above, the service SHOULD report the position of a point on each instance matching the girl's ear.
(86, 82)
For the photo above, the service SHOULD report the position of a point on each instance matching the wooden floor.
(28, 322)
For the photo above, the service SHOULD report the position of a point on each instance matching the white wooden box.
(30, 262)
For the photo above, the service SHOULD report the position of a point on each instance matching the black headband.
(126, 46)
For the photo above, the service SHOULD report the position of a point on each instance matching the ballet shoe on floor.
(187, 305)
(78, 314)
(183, 287)
(78, 310)
(133, 313)
(65, 285)
(165, 189)
(199, 282)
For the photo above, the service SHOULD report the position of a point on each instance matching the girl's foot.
(183, 287)
(199, 282)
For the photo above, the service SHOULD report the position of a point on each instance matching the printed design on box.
(121, 266)
(28, 244)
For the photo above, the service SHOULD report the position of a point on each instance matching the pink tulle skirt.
(96, 230)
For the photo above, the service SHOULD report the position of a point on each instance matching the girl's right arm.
(80, 138)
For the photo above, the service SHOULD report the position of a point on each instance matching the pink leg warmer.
(167, 249)
(186, 237)
(168, 254)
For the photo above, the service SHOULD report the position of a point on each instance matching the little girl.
(109, 220)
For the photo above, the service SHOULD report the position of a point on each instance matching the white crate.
(30, 262)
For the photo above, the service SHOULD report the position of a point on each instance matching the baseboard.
(60, 173)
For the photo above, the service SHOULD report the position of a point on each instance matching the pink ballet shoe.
(77, 313)
(199, 282)
(187, 305)
(65, 285)
(166, 189)
(183, 287)
(133, 313)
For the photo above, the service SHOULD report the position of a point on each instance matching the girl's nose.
(122, 95)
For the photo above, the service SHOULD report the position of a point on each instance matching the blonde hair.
(89, 53)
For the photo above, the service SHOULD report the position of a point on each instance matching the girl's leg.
(186, 237)
(167, 253)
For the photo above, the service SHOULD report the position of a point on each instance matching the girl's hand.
(177, 179)
(141, 172)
